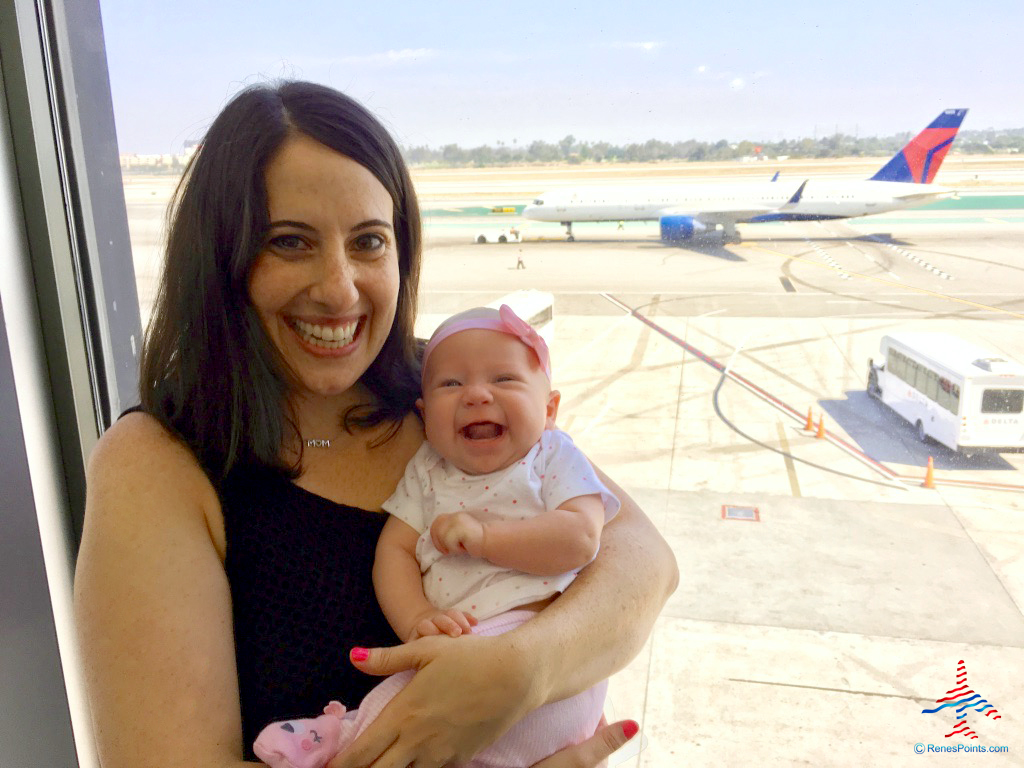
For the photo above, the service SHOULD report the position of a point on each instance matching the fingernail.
(629, 729)
(359, 654)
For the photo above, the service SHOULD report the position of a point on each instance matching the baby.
(496, 513)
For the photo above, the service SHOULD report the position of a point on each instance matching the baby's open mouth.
(482, 430)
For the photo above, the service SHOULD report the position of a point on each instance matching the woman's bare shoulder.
(139, 464)
(138, 443)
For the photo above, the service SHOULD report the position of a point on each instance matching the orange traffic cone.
(929, 475)
(821, 426)
(809, 424)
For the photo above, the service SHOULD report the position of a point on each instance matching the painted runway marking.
(888, 282)
(794, 484)
(827, 258)
(757, 391)
(915, 258)
(896, 480)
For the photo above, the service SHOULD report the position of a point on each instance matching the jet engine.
(675, 228)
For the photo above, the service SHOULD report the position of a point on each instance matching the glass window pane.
(1002, 401)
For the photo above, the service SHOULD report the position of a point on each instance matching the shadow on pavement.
(886, 437)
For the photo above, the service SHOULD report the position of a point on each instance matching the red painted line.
(749, 385)
(977, 484)
(794, 414)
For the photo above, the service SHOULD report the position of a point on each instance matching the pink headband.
(503, 320)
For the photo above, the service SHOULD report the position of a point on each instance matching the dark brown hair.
(209, 372)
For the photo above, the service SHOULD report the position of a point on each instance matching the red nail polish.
(629, 728)
(359, 654)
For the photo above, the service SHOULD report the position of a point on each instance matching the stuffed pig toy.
(307, 743)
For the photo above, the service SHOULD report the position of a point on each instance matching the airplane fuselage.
(747, 202)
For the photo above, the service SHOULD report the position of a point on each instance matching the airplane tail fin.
(919, 161)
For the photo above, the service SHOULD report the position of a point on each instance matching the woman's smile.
(325, 283)
(327, 338)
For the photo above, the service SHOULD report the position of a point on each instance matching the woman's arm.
(469, 691)
(153, 609)
(606, 615)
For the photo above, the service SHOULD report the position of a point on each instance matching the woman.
(225, 565)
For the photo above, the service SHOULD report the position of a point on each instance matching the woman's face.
(325, 282)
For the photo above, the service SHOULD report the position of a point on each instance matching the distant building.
(165, 163)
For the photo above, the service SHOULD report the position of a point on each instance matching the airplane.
(960, 699)
(688, 210)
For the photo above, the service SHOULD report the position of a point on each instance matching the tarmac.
(817, 627)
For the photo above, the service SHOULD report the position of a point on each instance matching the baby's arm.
(399, 588)
(554, 542)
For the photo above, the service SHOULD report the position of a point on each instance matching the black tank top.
(299, 567)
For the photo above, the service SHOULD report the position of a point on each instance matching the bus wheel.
(921, 434)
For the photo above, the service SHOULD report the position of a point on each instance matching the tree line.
(571, 150)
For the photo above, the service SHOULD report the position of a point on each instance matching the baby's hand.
(451, 622)
(458, 533)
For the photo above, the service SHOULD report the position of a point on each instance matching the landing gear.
(568, 231)
(729, 233)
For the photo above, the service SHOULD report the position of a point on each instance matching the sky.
(472, 73)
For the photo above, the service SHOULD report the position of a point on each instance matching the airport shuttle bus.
(959, 394)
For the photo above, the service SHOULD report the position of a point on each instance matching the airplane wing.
(722, 214)
(718, 215)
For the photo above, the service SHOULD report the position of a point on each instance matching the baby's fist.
(459, 534)
(451, 622)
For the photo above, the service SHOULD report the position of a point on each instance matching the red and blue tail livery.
(919, 161)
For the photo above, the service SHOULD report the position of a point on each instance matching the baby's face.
(486, 400)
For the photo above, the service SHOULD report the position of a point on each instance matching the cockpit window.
(538, 201)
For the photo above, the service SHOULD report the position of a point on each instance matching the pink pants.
(538, 735)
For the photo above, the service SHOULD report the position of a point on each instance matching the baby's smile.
(482, 430)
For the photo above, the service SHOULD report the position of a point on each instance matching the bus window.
(931, 384)
(913, 372)
(894, 364)
(945, 398)
(1002, 401)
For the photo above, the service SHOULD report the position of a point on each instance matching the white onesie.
(552, 472)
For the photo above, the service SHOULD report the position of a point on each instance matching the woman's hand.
(593, 752)
(466, 693)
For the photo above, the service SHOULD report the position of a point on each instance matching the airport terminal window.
(1002, 401)
(800, 304)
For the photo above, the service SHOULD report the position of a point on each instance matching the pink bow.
(516, 326)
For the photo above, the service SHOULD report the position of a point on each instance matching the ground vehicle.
(505, 235)
(959, 394)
